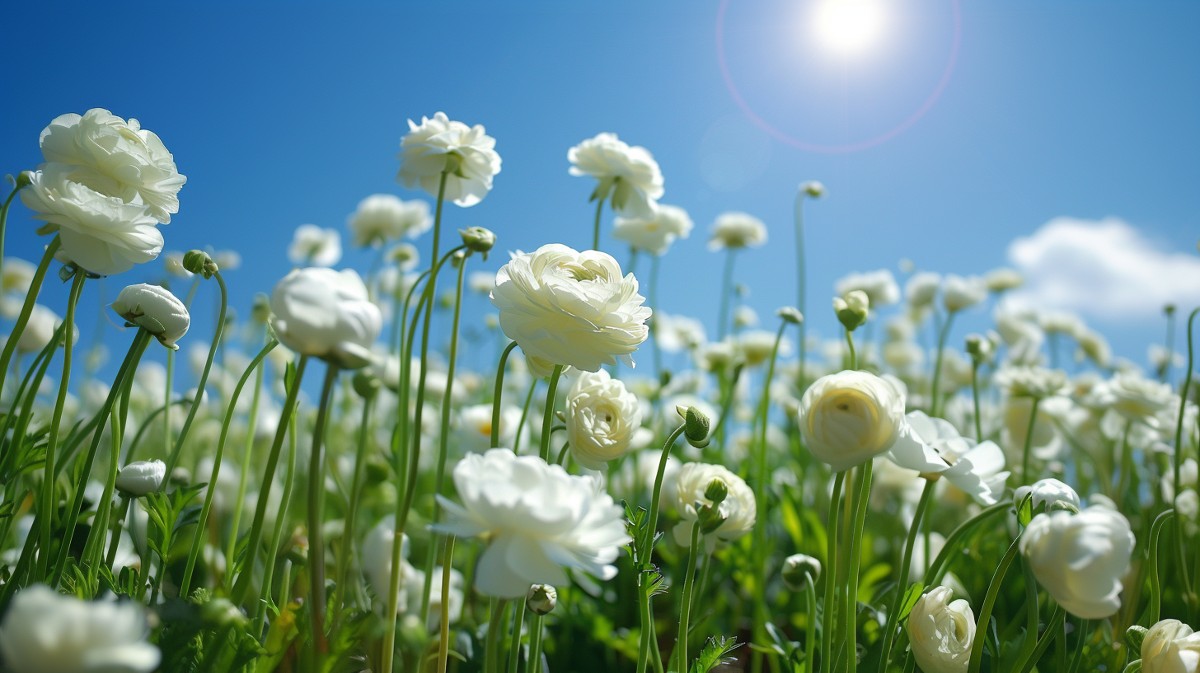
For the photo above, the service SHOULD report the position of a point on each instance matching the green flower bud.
(541, 599)
(852, 310)
(24, 179)
(261, 311)
(695, 426)
(366, 384)
(797, 568)
(716, 492)
(198, 261)
(478, 239)
(220, 612)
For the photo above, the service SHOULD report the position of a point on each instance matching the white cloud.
(1106, 269)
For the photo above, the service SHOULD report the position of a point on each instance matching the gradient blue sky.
(286, 113)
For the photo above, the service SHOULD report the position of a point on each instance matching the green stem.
(289, 480)
(989, 603)
(1053, 628)
(933, 574)
(346, 555)
(491, 649)
(111, 559)
(596, 225)
(35, 287)
(4, 219)
(934, 398)
(1027, 450)
(524, 416)
(853, 355)
(645, 552)
(759, 549)
(498, 393)
(535, 643)
(144, 428)
(652, 299)
(829, 623)
(975, 400)
(891, 626)
(548, 416)
(316, 543)
(254, 541)
(198, 540)
(801, 270)
(726, 292)
(685, 610)
(1077, 657)
(243, 477)
(93, 548)
(514, 643)
(862, 494)
(810, 624)
(444, 623)
(1185, 391)
(1160, 521)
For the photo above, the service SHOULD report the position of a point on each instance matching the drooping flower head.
(628, 175)
(537, 519)
(466, 154)
(1080, 559)
(565, 307)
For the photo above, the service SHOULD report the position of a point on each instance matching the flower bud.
(813, 189)
(478, 239)
(141, 477)
(798, 568)
(198, 261)
(221, 612)
(1047, 495)
(541, 599)
(790, 315)
(695, 427)
(852, 310)
(24, 179)
(261, 311)
(154, 309)
(716, 492)
(366, 384)
(980, 348)
(1170, 645)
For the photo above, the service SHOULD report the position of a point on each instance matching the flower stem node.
(695, 426)
(852, 310)
(198, 261)
(797, 568)
(541, 599)
(478, 239)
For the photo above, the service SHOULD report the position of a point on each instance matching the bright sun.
(848, 27)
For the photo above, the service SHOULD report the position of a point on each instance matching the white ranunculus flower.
(1080, 558)
(959, 293)
(315, 246)
(537, 519)
(1047, 493)
(629, 175)
(755, 346)
(941, 632)
(156, 310)
(17, 275)
(473, 427)
(46, 632)
(101, 234)
(1138, 398)
(326, 313)
(675, 333)
(654, 234)
(921, 289)
(466, 154)
(565, 307)
(736, 230)
(1170, 646)
(39, 330)
(377, 565)
(141, 477)
(602, 417)
(688, 487)
(381, 218)
(1003, 279)
(850, 417)
(116, 158)
(933, 445)
(880, 287)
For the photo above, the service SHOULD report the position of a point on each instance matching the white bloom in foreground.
(116, 158)
(941, 632)
(933, 445)
(466, 154)
(602, 417)
(735, 230)
(654, 234)
(538, 520)
(570, 308)
(1047, 493)
(689, 487)
(629, 175)
(959, 293)
(101, 234)
(314, 246)
(156, 310)
(326, 313)
(141, 477)
(1170, 646)
(380, 218)
(850, 417)
(45, 632)
(1080, 558)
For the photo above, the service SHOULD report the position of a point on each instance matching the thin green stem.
(444, 622)
(316, 543)
(862, 494)
(281, 517)
(935, 404)
(950, 550)
(498, 394)
(978, 419)
(491, 648)
(891, 626)
(235, 520)
(685, 610)
(4, 218)
(35, 287)
(801, 270)
(989, 603)
(1027, 450)
(514, 643)
(596, 225)
(829, 623)
(548, 416)
(524, 416)
(536, 628)
(852, 354)
(759, 549)
(1053, 628)
(345, 557)
(726, 293)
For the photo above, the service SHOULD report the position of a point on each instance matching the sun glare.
(848, 27)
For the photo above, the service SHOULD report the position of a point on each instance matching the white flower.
(1080, 558)
(326, 313)
(473, 429)
(656, 233)
(173, 261)
(602, 417)
(141, 477)
(466, 154)
(880, 286)
(1003, 279)
(537, 518)
(39, 330)
(1035, 382)
(756, 346)
(377, 565)
(735, 230)
(570, 308)
(156, 310)
(921, 289)
(941, 632)
(45, 632)
(1170, 646)
(1047, 493)
(813, 189)
(17, 275)
(380, 218)
(933, 445)
(687, 489)
(850, 417)
(628, 174)
(960, 293)
(1139, 399)
(101, 234)
(314, 246)
(116, 158)
(675, 333)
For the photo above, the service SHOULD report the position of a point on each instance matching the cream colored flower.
(141, 477)
(941, 632)
(602, 417)
(1081, 558)
(1170, 646)
(327, 314)
(689, 488)
(473, 427)
(654, 234)
(628, 175)
(314, 246)
(959, 293)
(156, 310)
(736, 230)
(933, 445)
(466, 154)
(39, 330)
(850, 417)
(537, 519)
(921, 289)
(565, 307)
(382, 218)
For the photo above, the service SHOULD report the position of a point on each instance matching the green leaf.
(1025, 510)
(716, 652)
(911, 596)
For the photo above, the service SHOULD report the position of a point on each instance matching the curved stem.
(989, 602)
(498, 393)
(247, 452)
(862, 494)
(4, 218)
(548, 416)
(316, 543)
(759, 549)
(934, 573)
(890, 627)
(35, 286)
(685, 610)
(829, 623)
(1053, 627)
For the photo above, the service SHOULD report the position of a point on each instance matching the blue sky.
(283, 114)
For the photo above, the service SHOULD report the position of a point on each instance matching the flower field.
(618, 488)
